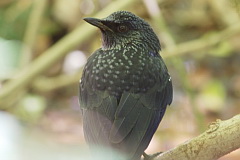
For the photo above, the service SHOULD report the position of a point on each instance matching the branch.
(45, 84)
(221, 138)
(31, 31)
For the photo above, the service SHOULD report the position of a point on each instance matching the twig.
(202, 43)
(44, 84)
(38, 8)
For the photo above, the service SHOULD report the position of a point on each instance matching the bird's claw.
(151, 156)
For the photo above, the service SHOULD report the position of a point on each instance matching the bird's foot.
(151, 156)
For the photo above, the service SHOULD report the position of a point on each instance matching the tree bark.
(221, 138)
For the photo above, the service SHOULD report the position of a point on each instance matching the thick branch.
(221, 138)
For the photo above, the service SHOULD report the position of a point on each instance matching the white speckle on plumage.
(97, 77)
(117, 72)
(104, 80)
(111, 66)
(130, 63)
(111, 82)
(106, 75)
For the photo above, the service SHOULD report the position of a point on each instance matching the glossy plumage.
(125, 87)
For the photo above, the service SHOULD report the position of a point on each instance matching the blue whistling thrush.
(125, 87)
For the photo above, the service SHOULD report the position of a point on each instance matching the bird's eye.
(122, 28)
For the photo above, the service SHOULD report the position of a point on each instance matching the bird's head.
(122, 29)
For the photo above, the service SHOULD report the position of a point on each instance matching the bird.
(125, 87)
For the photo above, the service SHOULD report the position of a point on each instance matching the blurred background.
(45, 43)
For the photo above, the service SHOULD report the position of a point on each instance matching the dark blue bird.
(125, 87)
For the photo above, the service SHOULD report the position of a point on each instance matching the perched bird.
(125, 87)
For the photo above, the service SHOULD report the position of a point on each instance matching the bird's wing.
(98, 109)
(137, 117)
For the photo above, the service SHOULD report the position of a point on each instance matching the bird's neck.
(111, 43)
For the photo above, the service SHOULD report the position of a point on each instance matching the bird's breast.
(119, 72)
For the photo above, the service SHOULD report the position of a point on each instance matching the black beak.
(98, 23)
